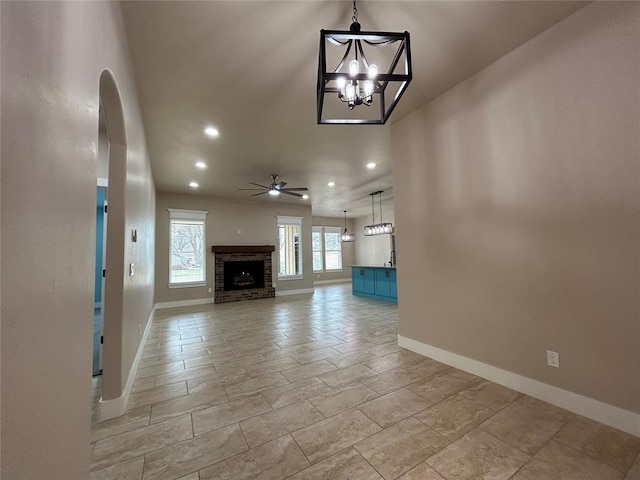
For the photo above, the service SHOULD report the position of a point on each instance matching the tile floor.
(315, 387)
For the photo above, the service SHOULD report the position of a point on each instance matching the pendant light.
(347, 237)
(377, 228)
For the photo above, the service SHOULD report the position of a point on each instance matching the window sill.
(187, 285)
(291, 277)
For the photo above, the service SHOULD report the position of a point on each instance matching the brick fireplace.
(248, 269)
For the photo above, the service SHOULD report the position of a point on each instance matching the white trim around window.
(187, 256)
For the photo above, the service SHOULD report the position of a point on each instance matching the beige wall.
(374, 250)
(524, 236)
(348, 249)
(52, 56)
(256, 222)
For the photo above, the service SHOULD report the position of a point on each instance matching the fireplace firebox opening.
(243, 274)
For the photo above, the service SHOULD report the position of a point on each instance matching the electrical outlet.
(210, 290)
(139, 328)
(553, 359)
(132, 269)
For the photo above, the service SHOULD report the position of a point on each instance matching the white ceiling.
(249, 68)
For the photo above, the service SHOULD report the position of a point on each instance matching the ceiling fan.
(275, 188)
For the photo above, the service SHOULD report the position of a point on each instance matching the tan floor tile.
(345, 465)
(557, 461)
(141, 384)
(525, 428)
(386, 349)
(160, 369)
(186, 374)
(138, 442)
(606, 444)
(634, 471)
(454, 416)
(156, 395)
(329, 436)
(191, 476)
(127, 470)
(272, 461)
(544, 407)
(438, 387)
(193, 454)
(229, 365)
(227, 413)
(491, 395)
(478, 455)
(348, 359)
(308, 370)
(422, 472)
(351, 347)
(294, 392)
(271, 366)
(462, 375)
(393, 407)
(345, 376)
(187, 404)
(315, 355)
(209, 360)
(256, 385)
(392, 380)
(342, 399)
(392, 361)
(399, 448)
(276, 423)
(131, 420)
(215, 380)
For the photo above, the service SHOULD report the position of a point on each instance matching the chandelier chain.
(354, 18)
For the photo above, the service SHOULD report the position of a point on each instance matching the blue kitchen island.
(379, 283)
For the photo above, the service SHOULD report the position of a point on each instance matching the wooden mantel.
(242, 248)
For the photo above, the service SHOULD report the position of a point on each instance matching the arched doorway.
(112, 303)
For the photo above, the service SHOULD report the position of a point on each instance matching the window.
(187, 263)
(332, 249)
(289, 247)
(316, 240)
(327, 249)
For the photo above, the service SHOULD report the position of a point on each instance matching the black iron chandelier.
(359, 79)
(347, 237)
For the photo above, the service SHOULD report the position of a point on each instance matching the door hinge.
(104, 273)
(101, 339)
(105, 208)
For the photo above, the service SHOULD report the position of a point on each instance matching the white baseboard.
(116, 407)
(337, 280)
(183, 303)
(282, 293)
(599, 411)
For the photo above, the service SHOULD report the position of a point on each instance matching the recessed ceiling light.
(371, 165)
(201, 165)
(193, 185)
(305, 197)
(211, 131)
(332, 184)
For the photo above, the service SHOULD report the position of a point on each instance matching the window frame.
(323, 230)
(319, 230)
(178, 214)
(332, 230)
(281, 221)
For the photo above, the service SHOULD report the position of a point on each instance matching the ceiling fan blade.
(287, 192)
(258, 185)
(250, 189)
(279, 185)
(297, 189)
(256, 194)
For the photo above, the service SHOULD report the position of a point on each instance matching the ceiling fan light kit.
(377, 228)
(347, 237)
(275, 188)
(349, 85)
